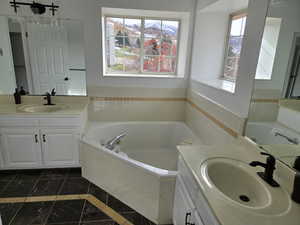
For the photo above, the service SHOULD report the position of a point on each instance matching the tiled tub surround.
(211, 122)
(145, 177)
(136, 104)
(59, 196)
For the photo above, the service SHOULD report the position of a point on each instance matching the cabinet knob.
(44, 137)
(36, 138)
(187, 216)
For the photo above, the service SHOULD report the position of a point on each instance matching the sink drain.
(244, 198)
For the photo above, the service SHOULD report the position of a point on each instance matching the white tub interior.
(152, 143)
(264, 133)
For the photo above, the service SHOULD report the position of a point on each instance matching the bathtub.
(264, 133)
(143, 173)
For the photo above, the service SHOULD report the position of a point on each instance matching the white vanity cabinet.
(21, 147)
(39, 142)
(184, 211)
(59, 146)
(190, 206)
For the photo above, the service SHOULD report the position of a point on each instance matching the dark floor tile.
(18, 188)
(99, 193)
(133, 217)
(145, 221)
(8, 211)
(77, 223)
(92, 213)
(46, 187)
(33, 213)
(3, 185)
(66, 212)
(59, 173)
(75, 186)
(28, 175)
(107, 222)
(117, 205)
(74, 172)
(7, 175)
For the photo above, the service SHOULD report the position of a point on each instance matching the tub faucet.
(111, 144)
(294, 141)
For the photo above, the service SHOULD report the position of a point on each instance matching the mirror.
(274, 117)
(39, 55)
(221, 43)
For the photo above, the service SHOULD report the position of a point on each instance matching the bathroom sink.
(233, 179)
(41, 108)
(236, 182)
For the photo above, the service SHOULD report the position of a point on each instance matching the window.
(268, 49)
(141, 45)
(234, 46)
(144, 42)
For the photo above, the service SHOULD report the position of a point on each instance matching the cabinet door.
(21, 147)
(60, 147)
(183, 211)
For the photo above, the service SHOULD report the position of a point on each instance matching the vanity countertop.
(226, 210)
(66, 109)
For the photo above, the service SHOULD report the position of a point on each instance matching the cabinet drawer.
(60, 122)
(18, 122)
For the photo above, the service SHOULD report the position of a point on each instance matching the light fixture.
(36, 8)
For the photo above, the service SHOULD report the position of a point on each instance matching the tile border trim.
(265, 100)
(213, 119)
(142, 99)
(92, 199)
(229, 130)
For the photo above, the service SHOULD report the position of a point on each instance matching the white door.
(21, 147)
(7, 75)
(48, 50)
(184, 210)
(60, 147)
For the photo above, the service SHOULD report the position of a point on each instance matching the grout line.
(88, 197)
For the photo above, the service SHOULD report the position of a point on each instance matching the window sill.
(220, 84)
(143, 76)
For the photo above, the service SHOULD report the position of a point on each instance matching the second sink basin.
(237, 182)
(41, 108)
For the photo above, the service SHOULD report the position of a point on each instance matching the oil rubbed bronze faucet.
(48, 98)
(269, 166)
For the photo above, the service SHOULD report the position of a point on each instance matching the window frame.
(181, 54)
(232, 16)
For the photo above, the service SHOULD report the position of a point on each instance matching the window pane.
(170, 29)
(132, 63)
(133, 27)
(114, 26)
(235, 46)
(151, 63)
(168, 47)
(238, 26)
(152, 29)
(151, 46)
(167, 64)
(231, 67)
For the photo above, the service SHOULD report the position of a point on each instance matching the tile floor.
(51, 182)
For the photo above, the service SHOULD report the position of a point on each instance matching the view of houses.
(132, 47)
